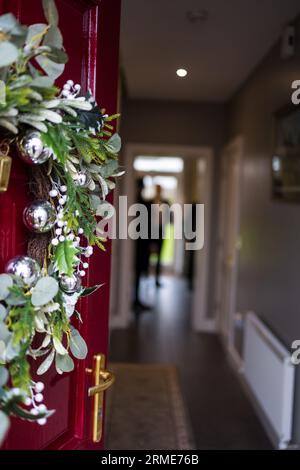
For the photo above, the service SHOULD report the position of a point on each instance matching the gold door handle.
(102, 379)
(106, 380)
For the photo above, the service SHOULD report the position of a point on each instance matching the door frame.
(234, 149)
(122, 278)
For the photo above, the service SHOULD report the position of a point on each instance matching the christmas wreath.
(67, 139)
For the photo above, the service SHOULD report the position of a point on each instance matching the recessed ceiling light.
(181, 73)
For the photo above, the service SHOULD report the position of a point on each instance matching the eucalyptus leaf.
(8, 22)
(12, 350)
(8, 53)
(46, 364)
(59, 346)
(52, 69)
(13, 299)
(50, 12)
(4, 425)
(64, 363)
(105, 210)
(35, 34)
(78, 345)
(3, 312)
(3, 376)
(114, 144)
(53, 37)
(42, 82)
(109, 168)
(44, 291)
(95, 201)
(5, 334)
(6, 283)
(57, 55)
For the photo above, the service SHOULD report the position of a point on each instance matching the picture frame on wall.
(286, 156)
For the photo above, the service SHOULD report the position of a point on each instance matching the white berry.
(39, 397)
(63, 188)
(82, 273)
(39, 387)
(61, 238)
(42, 421)
(54, 242)
(80, 231)
(53, 193)
(85, 265)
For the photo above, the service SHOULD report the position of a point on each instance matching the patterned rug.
(145, 410)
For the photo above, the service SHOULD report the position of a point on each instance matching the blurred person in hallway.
(142, 253)
(160, 208)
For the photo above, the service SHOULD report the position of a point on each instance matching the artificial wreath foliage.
(65, 135)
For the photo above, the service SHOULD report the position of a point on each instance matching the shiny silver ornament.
(25, 268)
(83, 180)
(32, 150)
(70, 284)
(39, 216)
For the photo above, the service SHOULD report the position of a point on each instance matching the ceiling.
(219, 51)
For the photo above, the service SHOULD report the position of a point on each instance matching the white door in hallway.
(229, 240)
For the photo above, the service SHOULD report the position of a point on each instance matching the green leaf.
(6, 283)
(46, 364)
(90, 290)
(3, 376)
(114, 144)
(65, 257)
(8, 53)
(4, 425)
(78, 345)
(45, 290)
(35, 34)
(64, 363)
(50, 12)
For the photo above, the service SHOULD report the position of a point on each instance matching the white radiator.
(270, 376)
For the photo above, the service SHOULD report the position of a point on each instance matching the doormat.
(146, 410)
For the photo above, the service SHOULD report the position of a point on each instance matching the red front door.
(91, 38)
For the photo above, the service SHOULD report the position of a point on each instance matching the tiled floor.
(220, 413)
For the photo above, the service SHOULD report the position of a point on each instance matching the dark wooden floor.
(220, 413)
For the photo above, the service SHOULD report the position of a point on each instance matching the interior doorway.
(230, 321)
(123, 275)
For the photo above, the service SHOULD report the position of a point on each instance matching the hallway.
(220, 414)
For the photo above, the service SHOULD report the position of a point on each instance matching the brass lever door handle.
(102, 380)
(106, 380)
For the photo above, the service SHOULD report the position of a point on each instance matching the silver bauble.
(24, 267)
(39, 216)
(83, 180)
(32, 150)
(70, 284)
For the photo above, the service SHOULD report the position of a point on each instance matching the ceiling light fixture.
(181, 73)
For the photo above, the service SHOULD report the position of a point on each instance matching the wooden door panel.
(80, 22)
